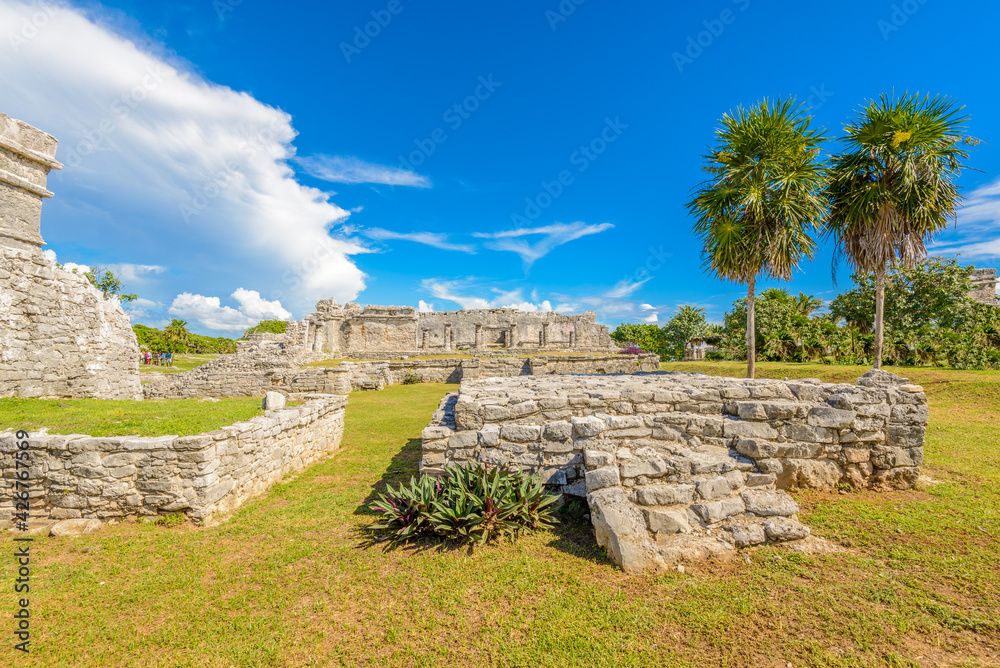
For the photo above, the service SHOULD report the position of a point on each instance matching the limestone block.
(668, 521)
(620, 529)
(767, 503)
(746, 535)
(652, 466)
(744, 429)
(781, 529)
(834, 418)
(520, 433)
(603, 477)
(714, 488)
(713, 512)
(588, 426)
(75, 527)
(558, 431)
(489, 436)
(665, 495)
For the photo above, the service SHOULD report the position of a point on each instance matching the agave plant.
(468, 504)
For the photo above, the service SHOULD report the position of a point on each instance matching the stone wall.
(59, 336)
(984, 286)
(115, 477)
(368, 375)
(353, 329)
(679, 467)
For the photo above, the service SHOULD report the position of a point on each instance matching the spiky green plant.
(468, 504)
(756, 212)
(892, 187)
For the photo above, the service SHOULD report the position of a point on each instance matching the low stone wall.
(678, 467)
(113, 477)
(367, 375)
(223, 383)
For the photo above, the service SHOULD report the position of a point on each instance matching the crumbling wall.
(59, 336)
(104, 477)
(352, 329)
(984, 286)
(679, 467)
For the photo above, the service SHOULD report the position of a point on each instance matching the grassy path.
(287, 581)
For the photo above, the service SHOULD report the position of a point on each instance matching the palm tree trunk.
(879, 314)
(751, 327)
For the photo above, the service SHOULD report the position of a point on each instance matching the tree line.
(176, 338)
(880, 198)
(929, 319)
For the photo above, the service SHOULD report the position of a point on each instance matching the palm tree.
(755, 213)
(176, 332)
(806, 304)
(892, 188)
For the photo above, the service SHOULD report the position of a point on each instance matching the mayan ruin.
(396, 334)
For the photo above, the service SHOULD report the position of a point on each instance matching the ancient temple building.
(352, 329)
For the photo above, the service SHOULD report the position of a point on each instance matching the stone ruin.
(353, 329)
(59, 335)
(984, 286)
(679, 467)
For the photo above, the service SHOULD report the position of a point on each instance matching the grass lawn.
(289, 581)
(180, 363)
(183, 417)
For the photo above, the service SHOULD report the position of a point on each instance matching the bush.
(410, 379)
(468, 504)
(631, 350)
(267, 327)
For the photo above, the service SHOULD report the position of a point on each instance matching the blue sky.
(239, 159)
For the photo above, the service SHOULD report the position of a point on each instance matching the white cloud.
(254, 306)
(552, 236)
(50, 255)
(977, 234)
(149, 138)
(147, 303)
(646, 307)
(435, 239)
(651, 318)
(135, 272)
(209, 312)
(424, 307)
(346, 169)
(451, 291)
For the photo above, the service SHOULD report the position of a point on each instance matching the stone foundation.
(679, 467)
(114, 477)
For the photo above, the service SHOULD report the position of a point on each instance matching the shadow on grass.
(402, 466)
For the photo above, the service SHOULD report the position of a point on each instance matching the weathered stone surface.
(695, 463)
(767, 503)
(273, 401)
(620, 529)
(75, 527)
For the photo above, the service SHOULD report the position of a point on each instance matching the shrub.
(631, 350)
(468, 504)
(267, 327)
(410, 379)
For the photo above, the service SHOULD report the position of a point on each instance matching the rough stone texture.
(80, 476)
(273, 401)
(680, 467)
(353, 328)
(59, 336)
(984, 286)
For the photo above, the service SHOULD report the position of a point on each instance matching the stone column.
(510, 337)
(545, 334)
(447, 338)
(573, 341)
(27, 156)
(479, 336)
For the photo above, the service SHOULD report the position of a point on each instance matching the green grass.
(289, 580)
(182, 417)
(180, 363)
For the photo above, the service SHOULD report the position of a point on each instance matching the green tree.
(647, 337)
(177, 332)
(806, 304)
(756, 212)
(892, 188)
(108, 283)
(686, 324)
